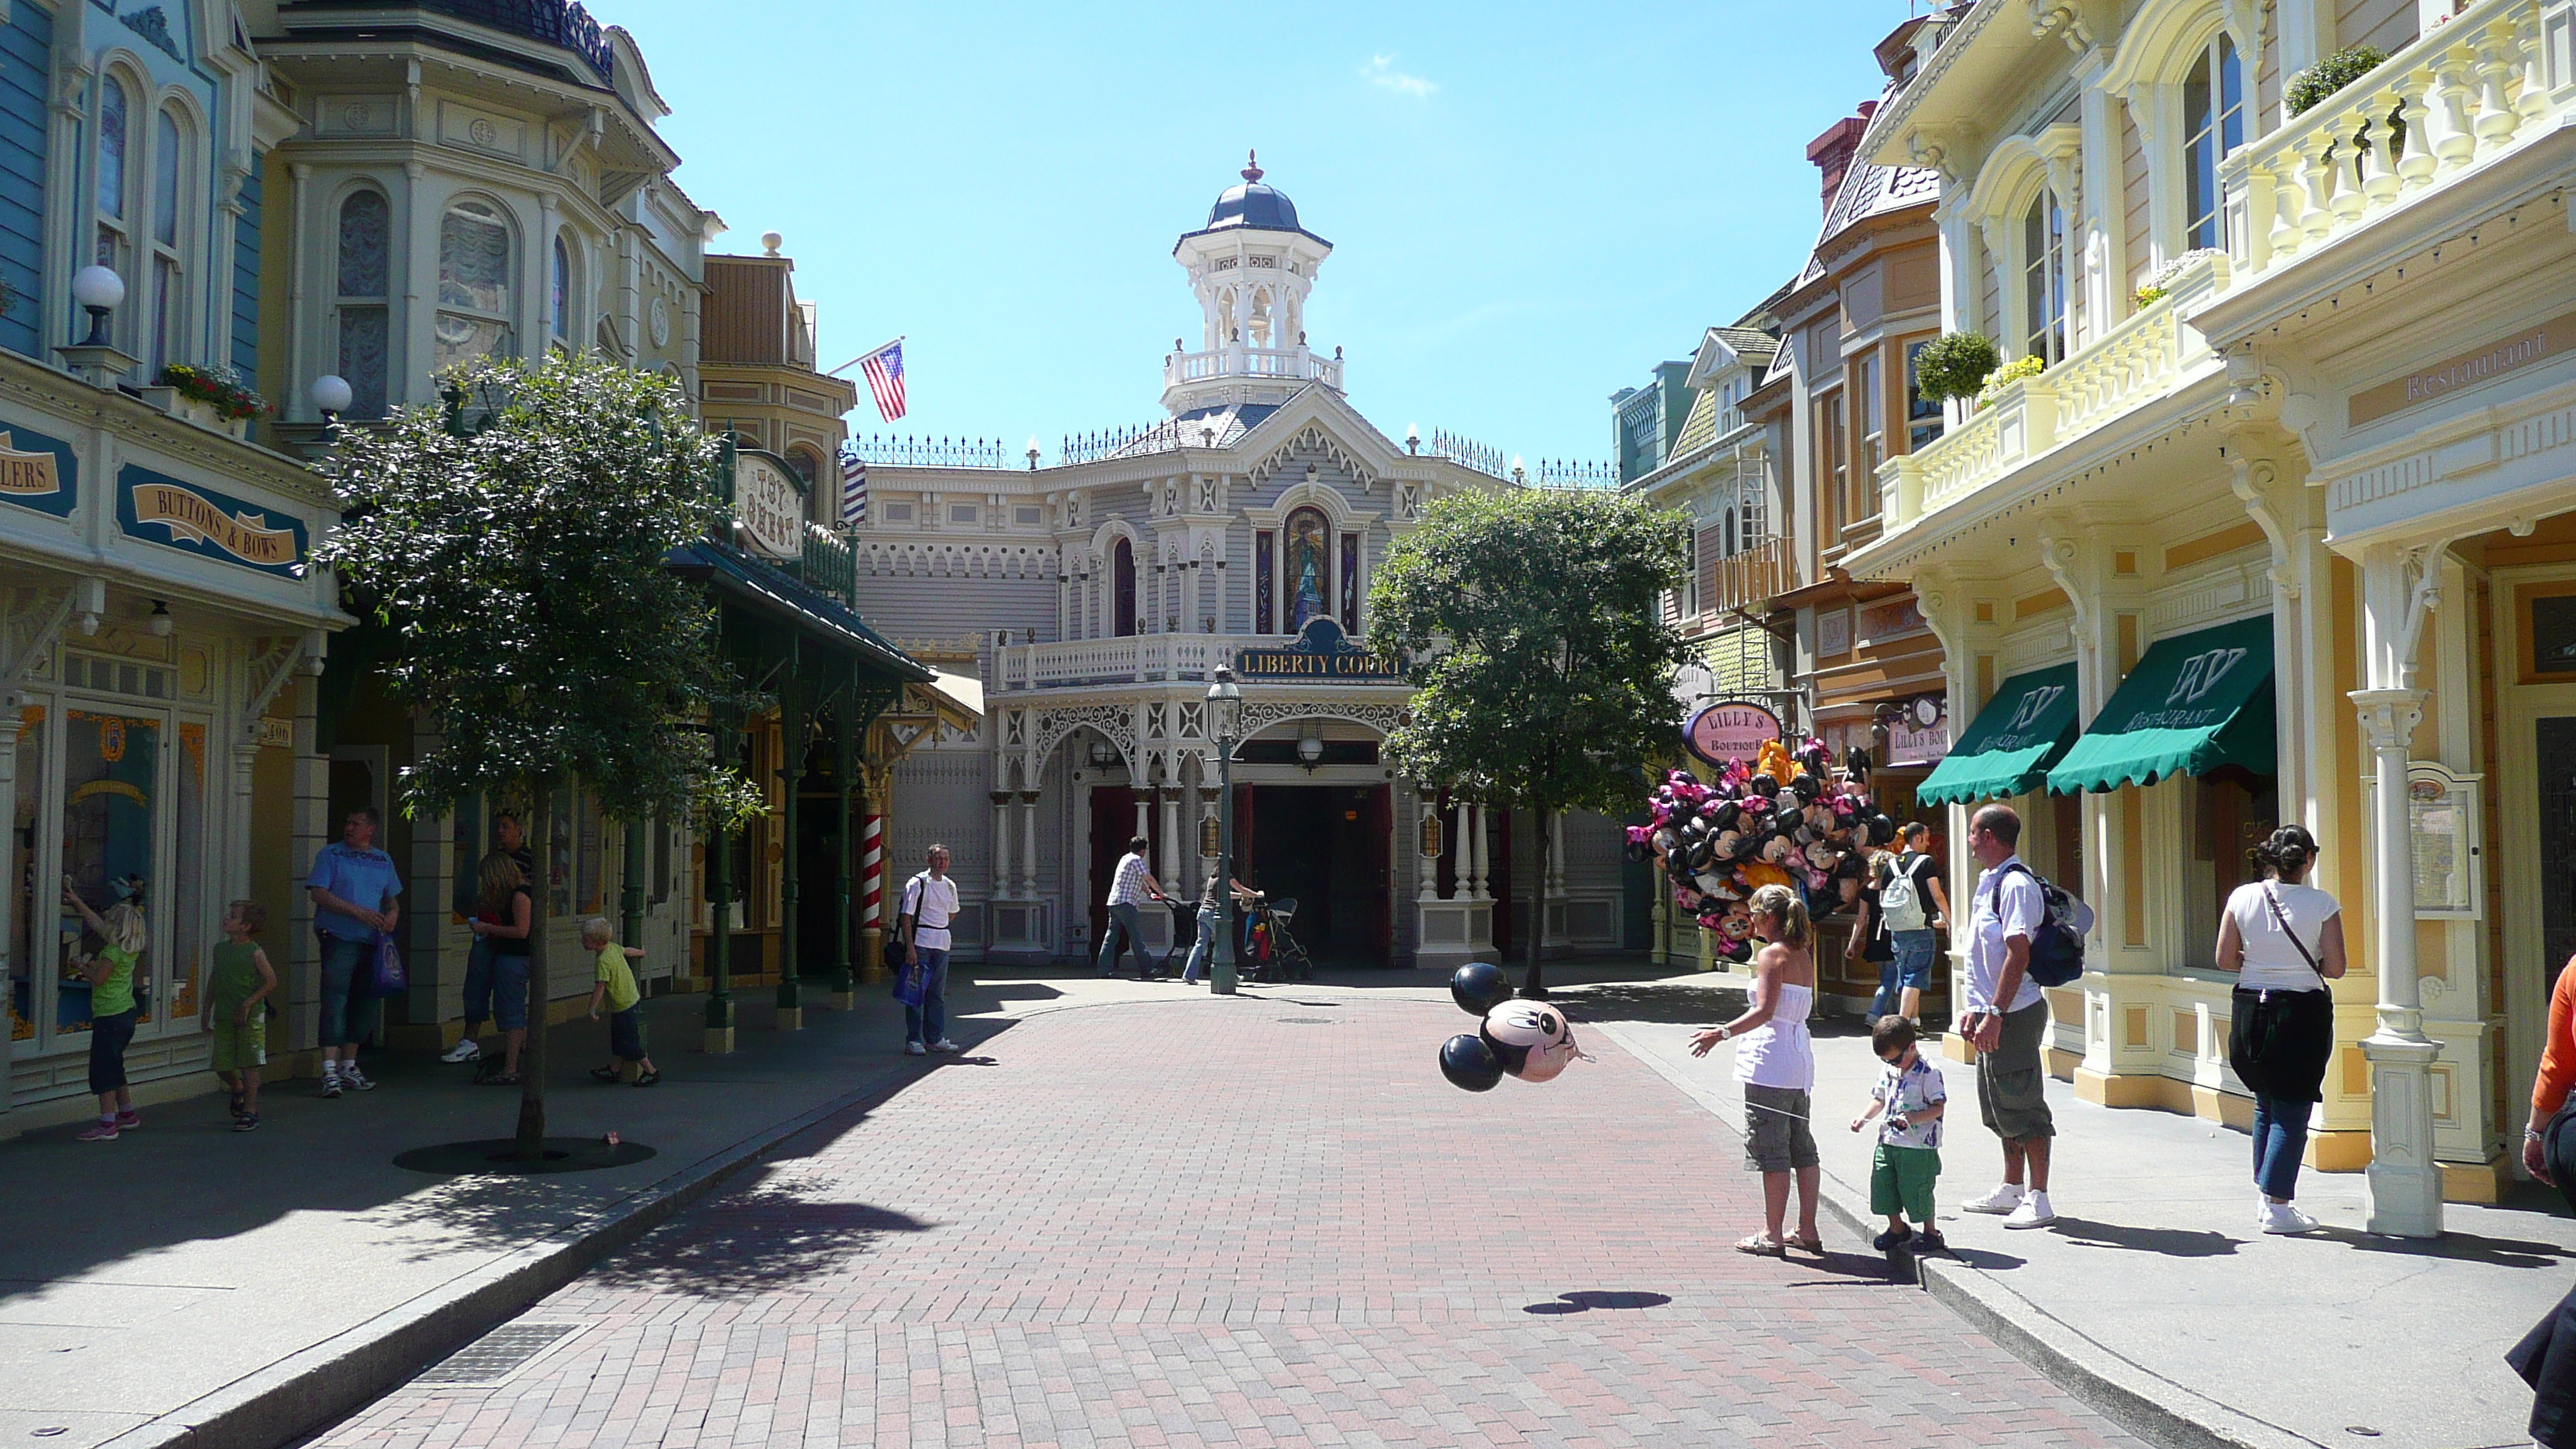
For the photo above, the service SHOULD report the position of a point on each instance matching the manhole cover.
(1309, 1020)
(496, 1355)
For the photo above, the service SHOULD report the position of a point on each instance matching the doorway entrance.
(1326, 846)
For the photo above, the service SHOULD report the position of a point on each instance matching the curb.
(2145, 1403)
(308, 1391)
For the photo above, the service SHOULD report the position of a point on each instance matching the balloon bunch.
(1783, 819)
(1526, 1039)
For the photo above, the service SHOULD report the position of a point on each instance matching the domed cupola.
(1251, 267)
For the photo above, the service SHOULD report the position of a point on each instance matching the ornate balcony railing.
(911, 452)
(1748, 580)
(1294, 363)
(2143, 359)
(2490, 79)
(1135, 659)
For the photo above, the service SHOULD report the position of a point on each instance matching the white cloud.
(1381, 72)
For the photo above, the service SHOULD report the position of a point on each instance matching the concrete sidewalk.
(2154, 1289)
(188, 1282)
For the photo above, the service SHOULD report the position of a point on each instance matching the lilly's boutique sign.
(37, 471)
(159, 509)
(1322, 652)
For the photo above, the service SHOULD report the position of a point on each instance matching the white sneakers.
(2034, 1212)
(2018, 1209)
(466, 1049)
(2282, 1217)
(2002, 1200)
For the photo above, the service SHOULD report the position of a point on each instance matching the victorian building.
(2272, 528)
(1101, 592)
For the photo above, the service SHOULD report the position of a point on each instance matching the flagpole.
(864, 356)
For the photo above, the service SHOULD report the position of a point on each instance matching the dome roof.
(1250, 205)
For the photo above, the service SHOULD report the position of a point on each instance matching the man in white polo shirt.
(2006, 1017)
(921, 929)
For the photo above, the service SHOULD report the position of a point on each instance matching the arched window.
(366, 226)
(2213, 125)
(561, 312)
(1122, 589)
(112, 138)
(169, 298)
(473, 284)
(2043, 264)
(1308, 579)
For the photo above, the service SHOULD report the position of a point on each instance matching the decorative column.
(2397, 590)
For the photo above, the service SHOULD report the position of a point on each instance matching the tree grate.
(496, 1355)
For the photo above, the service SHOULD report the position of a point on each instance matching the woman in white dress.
(2284, 941)
(1776, 1062)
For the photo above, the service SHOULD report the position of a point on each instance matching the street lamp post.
(1225, 722)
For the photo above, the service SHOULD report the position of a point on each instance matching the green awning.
(2196, 702)
(2011, 744)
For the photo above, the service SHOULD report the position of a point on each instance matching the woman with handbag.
(2285, 942)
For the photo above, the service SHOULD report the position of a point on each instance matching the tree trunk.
(531, 1144)
(1533, 985)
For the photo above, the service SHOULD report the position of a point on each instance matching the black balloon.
(1478, 987)
(1469, 1064)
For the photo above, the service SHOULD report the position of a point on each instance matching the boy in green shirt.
(616, 986)
(236, 1009)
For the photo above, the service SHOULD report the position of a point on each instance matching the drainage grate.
(496, 1355)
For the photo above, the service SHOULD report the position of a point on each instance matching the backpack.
(1898, 905)
(2057, 944)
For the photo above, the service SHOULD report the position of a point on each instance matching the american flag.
(854, 491)
(884, 370)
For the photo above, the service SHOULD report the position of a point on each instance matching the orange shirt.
(2558, 1055)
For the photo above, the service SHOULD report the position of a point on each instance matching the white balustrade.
(2144, 358)
(2492, 78)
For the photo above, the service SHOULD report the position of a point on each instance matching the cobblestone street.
(1259, 1220)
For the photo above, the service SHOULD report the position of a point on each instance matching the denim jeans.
(1123, 926)
(348, 991)
(2280, 1138)
(928, 1022)
(1210, 920)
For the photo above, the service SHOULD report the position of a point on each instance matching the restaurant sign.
(1730, 731)
(770, 503)
(154, 508)
(1322, 654)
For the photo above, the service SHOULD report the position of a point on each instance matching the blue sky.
(1529, 205)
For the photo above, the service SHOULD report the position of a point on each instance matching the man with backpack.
(2006, 1018)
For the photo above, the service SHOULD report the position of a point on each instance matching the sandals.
(1762, 1247)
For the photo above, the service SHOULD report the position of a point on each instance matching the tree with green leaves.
(521, 560)
(1533, 627)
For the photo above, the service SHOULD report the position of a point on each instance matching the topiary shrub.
(2313, 85)
(1954, 366)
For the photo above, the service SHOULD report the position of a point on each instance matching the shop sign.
(2509, 354)
(39, 475)
(770, 505)
(1730, 731)
(1322, 652)
(1919, 734)
(159, 509)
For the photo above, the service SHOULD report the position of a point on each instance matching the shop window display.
(111, 790)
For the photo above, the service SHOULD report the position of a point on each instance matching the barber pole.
(871, 872)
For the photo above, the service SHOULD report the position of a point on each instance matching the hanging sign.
(154, 508)
(1730, 731)
(1322, 653)
(770, 504)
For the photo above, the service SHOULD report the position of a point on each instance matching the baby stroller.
(1270, 952)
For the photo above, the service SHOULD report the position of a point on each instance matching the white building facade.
(1100, 594)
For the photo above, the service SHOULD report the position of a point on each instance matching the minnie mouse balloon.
(1531, 1039)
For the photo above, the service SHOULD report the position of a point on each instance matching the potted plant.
(1954, 366)
(213, 398)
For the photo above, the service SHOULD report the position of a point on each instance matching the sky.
(1530, 205)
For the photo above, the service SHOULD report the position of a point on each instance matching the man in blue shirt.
(356, 904)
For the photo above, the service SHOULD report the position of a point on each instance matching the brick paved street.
(1249, 1221)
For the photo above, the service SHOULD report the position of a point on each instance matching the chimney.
(1833, 151)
